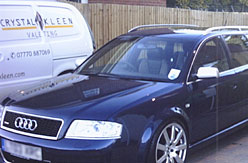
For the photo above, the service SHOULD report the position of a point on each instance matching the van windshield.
(147, 58)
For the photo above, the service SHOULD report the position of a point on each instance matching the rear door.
(67, 32)
(238, 48)
(25, 56)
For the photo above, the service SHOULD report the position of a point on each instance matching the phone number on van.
(25, 54)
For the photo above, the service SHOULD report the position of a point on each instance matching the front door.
(210, 97)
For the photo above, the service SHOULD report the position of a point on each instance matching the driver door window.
(211, 54)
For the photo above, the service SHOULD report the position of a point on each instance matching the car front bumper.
(70, 150)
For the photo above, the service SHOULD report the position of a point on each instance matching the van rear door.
(64, 26)
(23, 49)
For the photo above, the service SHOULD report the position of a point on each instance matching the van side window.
(211, 54)
(238, 46)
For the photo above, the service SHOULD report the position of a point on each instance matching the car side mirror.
(208, 72)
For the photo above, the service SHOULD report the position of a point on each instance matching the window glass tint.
(238, 45)
(148, 58)
(211, 54)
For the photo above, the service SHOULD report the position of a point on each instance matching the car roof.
(160, 31)
(154, 31)
(157, 29)
(227, 27)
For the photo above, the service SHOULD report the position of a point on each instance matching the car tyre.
(170, 144)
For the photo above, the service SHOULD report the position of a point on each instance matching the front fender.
(167, 114)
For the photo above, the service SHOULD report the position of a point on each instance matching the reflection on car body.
(146, 96)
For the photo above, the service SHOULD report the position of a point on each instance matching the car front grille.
(32, 125)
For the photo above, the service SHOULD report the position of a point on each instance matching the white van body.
(40, 40)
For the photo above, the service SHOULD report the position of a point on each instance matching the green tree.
(244, 3)
(221, 5)
(225, 4)
(200, 4)
(194, 4)
(213, 5)
(183, 3)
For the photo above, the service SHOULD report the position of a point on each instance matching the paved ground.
(231, 149)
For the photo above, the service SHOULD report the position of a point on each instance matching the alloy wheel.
(171, 146)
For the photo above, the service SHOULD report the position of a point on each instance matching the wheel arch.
(167, 115)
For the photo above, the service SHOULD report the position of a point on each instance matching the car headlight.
(97, 130)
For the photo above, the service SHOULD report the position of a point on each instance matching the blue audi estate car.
(147, 96)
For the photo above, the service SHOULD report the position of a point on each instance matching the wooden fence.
(110, 20)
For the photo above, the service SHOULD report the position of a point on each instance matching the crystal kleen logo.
(38, 21)
(17, 24)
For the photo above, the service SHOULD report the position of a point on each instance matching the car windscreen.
(159, 58)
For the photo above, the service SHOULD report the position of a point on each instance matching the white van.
(40, 40)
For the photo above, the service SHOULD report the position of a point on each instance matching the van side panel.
(66, 28)
(23, 53)
(39, 40)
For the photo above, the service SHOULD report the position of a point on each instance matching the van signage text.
(23, 22)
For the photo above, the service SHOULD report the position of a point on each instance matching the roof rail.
(164, 25)
(236, 27)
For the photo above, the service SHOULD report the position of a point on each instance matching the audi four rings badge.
(24, 123)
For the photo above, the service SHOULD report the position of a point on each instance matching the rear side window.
(238, 46)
